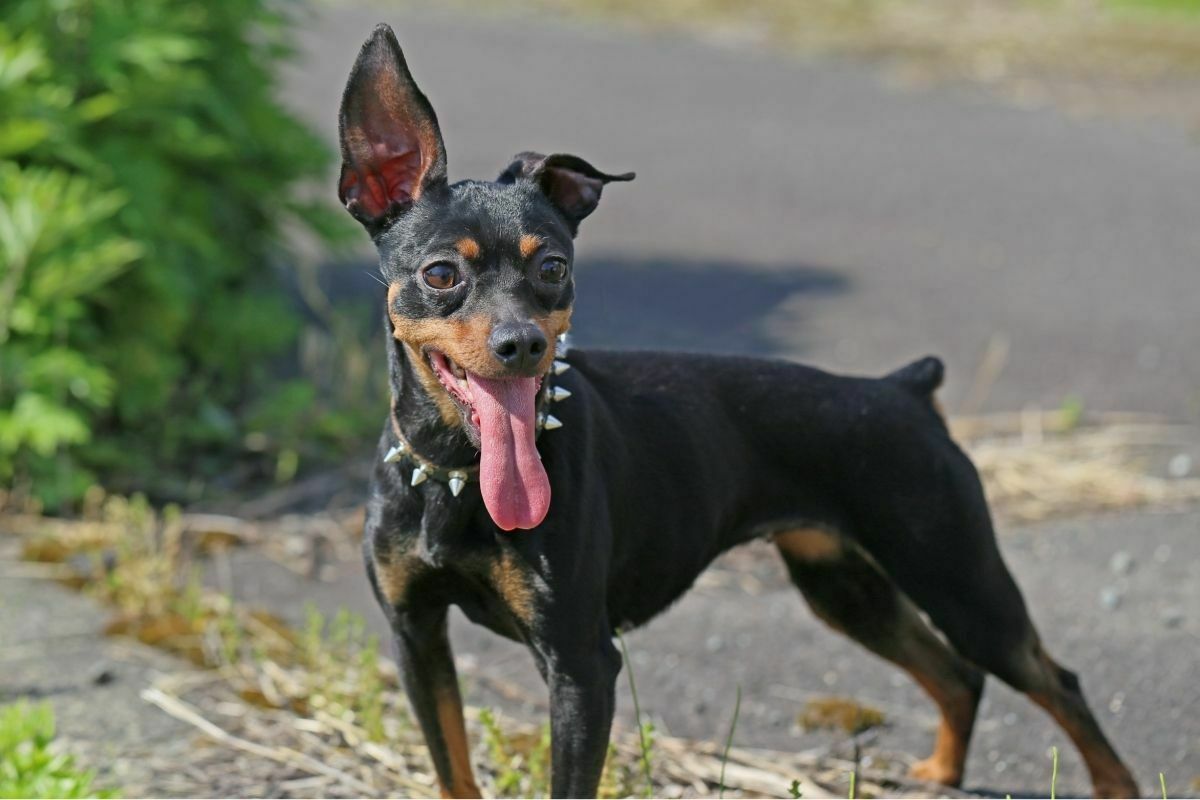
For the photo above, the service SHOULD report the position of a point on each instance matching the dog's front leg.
(427, 668)
(581, 672)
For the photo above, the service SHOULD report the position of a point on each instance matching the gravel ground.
(54, 650)
(1115, 597)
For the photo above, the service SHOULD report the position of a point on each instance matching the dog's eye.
(552, 270)
(441, 275)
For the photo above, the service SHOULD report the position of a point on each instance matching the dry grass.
(840, 714)
(335, 756)
(1038, 466)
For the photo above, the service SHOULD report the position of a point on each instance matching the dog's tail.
(922, 377)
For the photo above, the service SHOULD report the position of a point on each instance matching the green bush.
(28, 766)
(147, 171)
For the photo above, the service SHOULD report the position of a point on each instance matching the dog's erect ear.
(392, 150)
(571, 184)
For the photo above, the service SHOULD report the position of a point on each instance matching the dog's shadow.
(678, 304)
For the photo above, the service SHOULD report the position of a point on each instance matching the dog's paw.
(935, 770)
(1122, 786)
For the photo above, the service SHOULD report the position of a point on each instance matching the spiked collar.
(457, 477)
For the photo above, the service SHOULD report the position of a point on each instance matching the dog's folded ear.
(392, 149)
(571, 184)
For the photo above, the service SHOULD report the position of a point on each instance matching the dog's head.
(479, 273)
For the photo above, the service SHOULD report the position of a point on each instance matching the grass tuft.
(840, 713)
(737, 707)
(29, 766)
(645, 729)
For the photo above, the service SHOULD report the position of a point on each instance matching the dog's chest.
(493, 583)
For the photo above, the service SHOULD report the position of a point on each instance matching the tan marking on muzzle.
(553, 325)
(457, 339)
(465, 341)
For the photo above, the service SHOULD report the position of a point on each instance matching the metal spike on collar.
(559, 393)
(560, 367)
(457, 480)
(564, 346)
(396, 453)
(549, 421)
(420, 475)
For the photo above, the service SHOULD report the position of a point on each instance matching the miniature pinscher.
(556, 497)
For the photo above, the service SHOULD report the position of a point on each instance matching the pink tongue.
(515, 488)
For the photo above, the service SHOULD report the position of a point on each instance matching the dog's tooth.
(559, 393)
(551, 422)
(560, 367)
(419, 476)
(458, 479)
(396, 453)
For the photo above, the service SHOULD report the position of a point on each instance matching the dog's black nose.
(518, 345)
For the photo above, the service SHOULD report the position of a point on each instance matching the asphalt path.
(812, 211)
(815, 212)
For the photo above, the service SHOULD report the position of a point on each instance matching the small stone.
(1180, 465)
(1110, 598)
(1172, 617)
(1117, 703)
(102, 675)
(1121, 563)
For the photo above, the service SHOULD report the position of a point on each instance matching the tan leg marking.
(1110, 777)
(945, 764)
(454, 734)
(809, 544)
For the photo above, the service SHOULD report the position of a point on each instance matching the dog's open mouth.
(501, 414)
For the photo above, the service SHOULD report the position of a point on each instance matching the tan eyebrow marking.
(468, 248)
(529, 245)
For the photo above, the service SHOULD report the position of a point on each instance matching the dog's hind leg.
(847, 591)
(981, 612)
(944, 556)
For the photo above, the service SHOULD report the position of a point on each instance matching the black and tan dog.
(555, 497)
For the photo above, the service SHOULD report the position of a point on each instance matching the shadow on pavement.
(655, 303)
